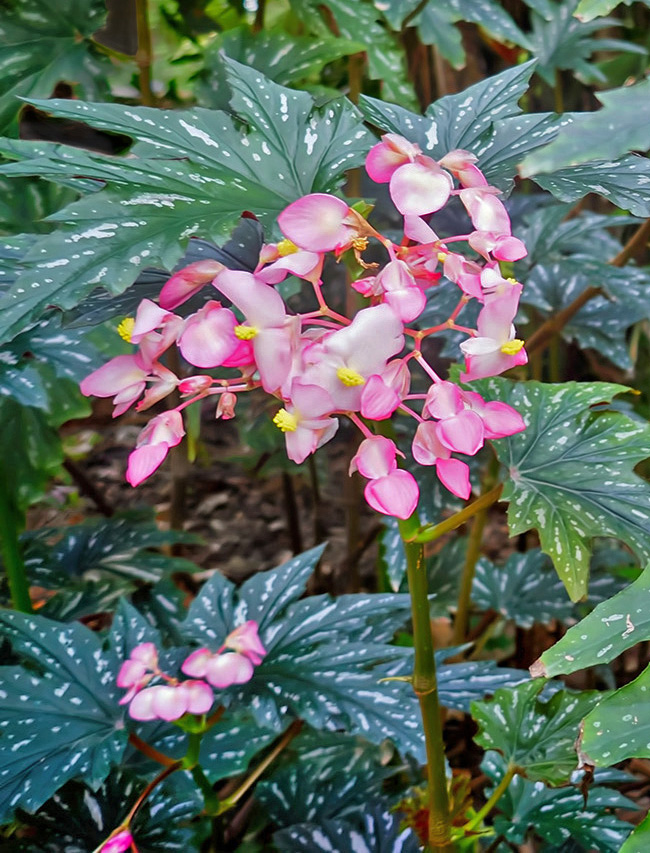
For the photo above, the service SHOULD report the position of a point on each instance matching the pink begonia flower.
(149, 317)
(138, 670)
(461, 164)
(420, 188)
(162, 432)
(387, 156)
(118, 843)
(170, 702)
(485, 210)
(390, 491)
(399, 289)
(319, 223)
(246, 640)
(427, 449)
(123, 378)
(495, 348)
(503, 247)
(188, 281)
(304, 420)
(164, 381)
(382, 395)
(221, 669)
(272, 332)
(278, 260)
(499, 419)
(343, 360)
(458, 428)
(208, 338)
(466, 274)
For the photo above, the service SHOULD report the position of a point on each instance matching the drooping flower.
(171, 701)
(391, 490)
(427, 449)
(161, 433)
(305, 420)
(118, 843)
(123, 378)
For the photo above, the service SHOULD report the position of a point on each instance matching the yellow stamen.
(286, 247)
(512, 347)
(350, 377)
(512, 280)
(285, 421)
(442, 257)
(245, 333)
(360, 244)
(125, 329)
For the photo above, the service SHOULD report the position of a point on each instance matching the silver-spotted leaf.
(536, 737)
(614, 625)
(60, 719)
(570, 473)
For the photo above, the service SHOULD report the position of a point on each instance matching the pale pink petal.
(408, 304)
(131, 672)
(307, 265)
(378, 400)
(485, 210)
(146, 653)
(273, 356)
(316, 223)
(187, 281)
(500, 420)
(246, 640)
(495, 319)
(141, 708)
(229, 668)
(143, 461)
(259, 302)
(454, 475)
(169, 703)
(426, 447)
(418, 189)
(509, 249)
(196, 664)
(417, 229)
(226, 406)
(396, 494)
(148, 317)
(195, 385)
(199, 696)
(208, 338)
(312, 401)
(385, 157)
(375, 457)
(462, 433)
(443, 400)
(123, 371)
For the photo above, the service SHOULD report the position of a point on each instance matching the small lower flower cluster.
(233, 663)
(321, 365)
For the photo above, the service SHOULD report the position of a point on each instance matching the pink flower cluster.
(321, 365)
(233, 663)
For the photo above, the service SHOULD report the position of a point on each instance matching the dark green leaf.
(570, 472)
(62, 724)
(538, 738)
(639, 839)
(187, 172)
(615, 625)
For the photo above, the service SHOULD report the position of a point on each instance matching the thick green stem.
(434, 531)
(143, 56)
(12, 554)
(498, 792)
(425, 686)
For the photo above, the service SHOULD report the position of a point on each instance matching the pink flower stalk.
(186, 282)
(495, 348)
(390, 491)
(161, 433)
(118, 843)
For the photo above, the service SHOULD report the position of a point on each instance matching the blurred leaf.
(621, 125)
(44, 44)
(26, 202)
(538, 738)
(638, 841)
(571, 472)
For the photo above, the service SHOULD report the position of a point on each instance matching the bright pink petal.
(418, 189)
(131, 672)
(118, 843)
(426, 447)
(198, 695)
(462, 433)
(316, 223)
(378, 400)
(246, 640)
(146, 653)
(187, 281)
(307, 265)
(454, 475)
(385, 157)
(121, 372)
(208, 338)
(500, 420)
(375, 457)
(143, 461)
(509, 249)
(196, 664)
(396, 494)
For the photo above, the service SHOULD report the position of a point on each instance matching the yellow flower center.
(350, 377)
(245, 333)
(286, 247)
(285, 421)
(360, 244)
(442, 257)
(512, 347)
(512, 280)
(125, 329)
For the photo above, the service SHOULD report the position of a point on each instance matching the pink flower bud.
(187, 281)
(226, 405)
(117, 843)
(195, 385)
(230, 668)
(246, 641)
